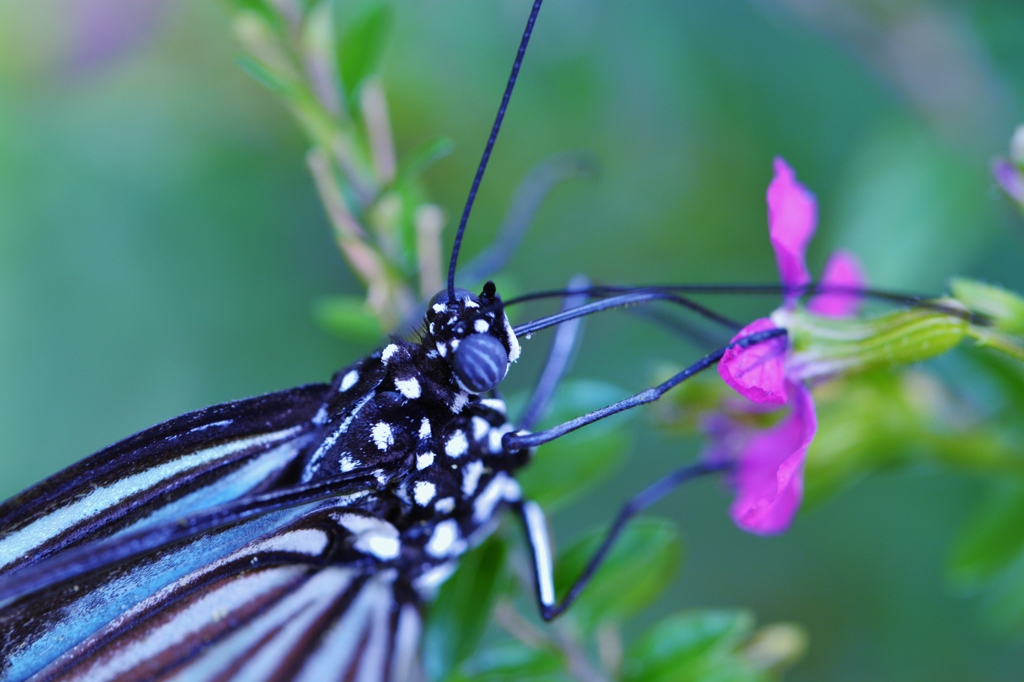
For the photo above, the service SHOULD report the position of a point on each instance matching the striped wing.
(290, 605)
(197, 461)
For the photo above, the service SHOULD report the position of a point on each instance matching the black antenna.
(490, 145)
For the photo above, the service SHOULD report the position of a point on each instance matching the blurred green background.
(161, 243)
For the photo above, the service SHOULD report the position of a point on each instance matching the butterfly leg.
(562, 350)
(535, 522)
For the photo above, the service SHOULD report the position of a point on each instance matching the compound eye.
(480, 362)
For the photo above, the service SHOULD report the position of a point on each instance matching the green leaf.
(992, 541)
(458, 616)
(348, 317)
(694, 645)
(513, 661)
(265, 77)
(1003, 307)
(564, 469)
(422, 157)
(258, 6)
(361, 46)
(636, 570)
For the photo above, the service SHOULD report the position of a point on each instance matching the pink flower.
(770, 475)
(792, 217)
(769, 463)
(842, 270)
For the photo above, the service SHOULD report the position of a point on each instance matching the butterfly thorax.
(428, 447)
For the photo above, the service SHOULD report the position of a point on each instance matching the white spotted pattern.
(445, 540)
(424, 460)
(494, 404)
(480, 428)
(424, 428)
(494, 438)
(471, 477)
(373, 536)
(445, 505)
(457, 445)
(501, 488)
(349, 380)
(481, 326)
(461, 398)
(423, 492)
(388, 353)
(410, 387)
(347, 463)
(383, 437)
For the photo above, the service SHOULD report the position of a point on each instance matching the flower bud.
(824, 346)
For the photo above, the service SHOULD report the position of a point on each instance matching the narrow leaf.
(458, 616)
(361, 46)
(422, 157)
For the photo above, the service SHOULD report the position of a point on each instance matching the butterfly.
(299, 535)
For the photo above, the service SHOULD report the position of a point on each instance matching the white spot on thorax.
(440, 307)
(494, 438)
(381, 477)
(455, 344)
(445, 540)
(461, 398)
(388, 353)
(424, 460)
(480, 428)
(482, 326)
(431, 328)
(349, 380)
(457, 445)
(423, 492)
(383, 437)
(424, 428)
(445, 505)
(501, 488)
(495, 404)
(410, 388)
(471, 477)
(442, 350)
(470, 303)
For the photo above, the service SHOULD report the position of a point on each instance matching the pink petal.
(1010, 178)
(756, 372)
(769, 475)
(792, 217)
(842, 270)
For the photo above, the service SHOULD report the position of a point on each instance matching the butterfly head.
(472, 334)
